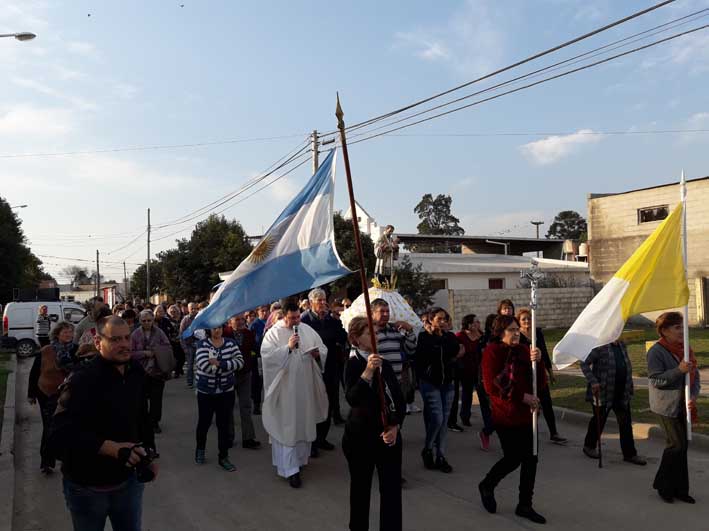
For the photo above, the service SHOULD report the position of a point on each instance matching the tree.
(414, 283)
(138, 279)
(567, 225)
(436, 218)
(345, 245)
(19, 267)
(78, 274)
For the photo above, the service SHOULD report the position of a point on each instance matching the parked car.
(19, 318)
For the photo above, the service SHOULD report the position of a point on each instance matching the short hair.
(436, 310)
(666, 320)
(192, 305)
(389, 227)
(506, 302)
(145, 313)
(467, 321)
(290, 307)
(173, 306)
(317, 293)
(128, 314)
(523, 311)
(58, 329)
(275, 306)
(378, 303)
(488, 322)
(111, 319)
(100, 313)
(501, 323)
(357, 327)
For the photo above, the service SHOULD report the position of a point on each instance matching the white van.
(19, 318)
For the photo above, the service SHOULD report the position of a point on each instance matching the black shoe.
(667, 498)
(157, 429)
(295, 481)
(558, 439)
(530, 514)
(591, 452)
(251, 444)
(47, 470)
(636, 460)
(455, 428)
(314, 452)
(487, 496)
(466, 422)
(443, 465)
(427, 456)
(325, 445)
(686, 498)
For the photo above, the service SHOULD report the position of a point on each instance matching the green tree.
(345, 245)
(436, 218)
(567, 225)
(138, 279)
(414, 283)
(19, 267)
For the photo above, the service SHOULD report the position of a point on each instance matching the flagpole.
(685, 310)
(360, 254)
(533, 275)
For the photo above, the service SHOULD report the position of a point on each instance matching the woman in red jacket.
(507, 377)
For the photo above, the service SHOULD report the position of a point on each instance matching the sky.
(252, 79)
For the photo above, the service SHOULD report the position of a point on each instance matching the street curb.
(7, 451)
(640, 430)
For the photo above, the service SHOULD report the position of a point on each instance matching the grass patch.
(698, 339)
(570, 392)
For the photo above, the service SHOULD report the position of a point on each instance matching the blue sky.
(153, 73)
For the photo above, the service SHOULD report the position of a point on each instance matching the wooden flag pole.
(360, 255)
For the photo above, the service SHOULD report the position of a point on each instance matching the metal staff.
(534, 275)
(360, 255)
(685, 309)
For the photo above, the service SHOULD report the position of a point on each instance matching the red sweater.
(512, 411)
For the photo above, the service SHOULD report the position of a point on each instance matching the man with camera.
(102, 433)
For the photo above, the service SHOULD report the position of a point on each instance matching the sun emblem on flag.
(263, 249)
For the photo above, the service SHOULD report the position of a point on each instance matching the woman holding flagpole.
(666, 375)
(507, 377)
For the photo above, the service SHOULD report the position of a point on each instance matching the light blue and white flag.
(296, 254)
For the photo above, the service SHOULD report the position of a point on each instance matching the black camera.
(143, 471)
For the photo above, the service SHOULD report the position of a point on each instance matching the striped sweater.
(395, 346)
(215, 379)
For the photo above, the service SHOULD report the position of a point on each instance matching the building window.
(655, 213)
(495, 283)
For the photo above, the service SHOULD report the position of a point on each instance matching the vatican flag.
(652, 279)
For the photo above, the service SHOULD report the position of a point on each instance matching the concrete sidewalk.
(571, 491)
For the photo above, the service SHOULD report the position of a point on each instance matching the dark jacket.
(246, 340)
(470, 363)
(435, 357)
(365, 418)
(599, 367)
(332, 334)
(98, 403)
(509, 411)
(541, 345)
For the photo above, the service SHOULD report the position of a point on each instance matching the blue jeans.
(90, 507)
(437, 403)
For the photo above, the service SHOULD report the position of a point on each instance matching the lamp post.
(536, 225)
(18, 206)
(20, 36)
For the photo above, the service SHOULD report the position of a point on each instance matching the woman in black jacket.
(436, 354)
(369, 440)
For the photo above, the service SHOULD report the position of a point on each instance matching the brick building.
(619, 223)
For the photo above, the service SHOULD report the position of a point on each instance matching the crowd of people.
(100, 386)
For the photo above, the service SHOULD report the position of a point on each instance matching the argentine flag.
(296, 254)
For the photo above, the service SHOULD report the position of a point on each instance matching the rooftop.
(675, 183)
(490, 263)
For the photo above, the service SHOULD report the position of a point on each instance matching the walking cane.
(597, 409)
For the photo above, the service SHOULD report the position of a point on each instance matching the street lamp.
(21, 36)
(536, 225)
(18, 206)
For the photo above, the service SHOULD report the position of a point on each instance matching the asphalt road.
(571, 491)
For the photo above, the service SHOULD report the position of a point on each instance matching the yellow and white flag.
(652, 279)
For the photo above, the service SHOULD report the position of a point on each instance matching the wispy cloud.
(553, 148)
(471, 41)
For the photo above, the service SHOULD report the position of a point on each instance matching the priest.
(295, 400)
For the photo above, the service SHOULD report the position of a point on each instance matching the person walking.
(471, 336)
(102, 433)
(189, 344)
(258, 327)
(43, 325)
(49, 370)
(610, 382)
(217, 359)
(152, 348)
(436, 353)
(171, 327)
(666, 371)
(524, 316)
(367, 443)
(246, 342)
(507, 376)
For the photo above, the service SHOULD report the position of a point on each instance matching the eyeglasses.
(115, 339)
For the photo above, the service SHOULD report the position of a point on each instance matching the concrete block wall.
(556, 307)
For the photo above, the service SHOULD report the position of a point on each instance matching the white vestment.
(295, 396)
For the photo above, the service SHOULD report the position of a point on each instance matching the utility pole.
(315, 144)
(147, 265)
(98, 275)
(536, 225)
(125, 281)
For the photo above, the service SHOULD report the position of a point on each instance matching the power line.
(506, 68)
(81, 259)
(530, 85)
(127, 244)
(558, 133)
